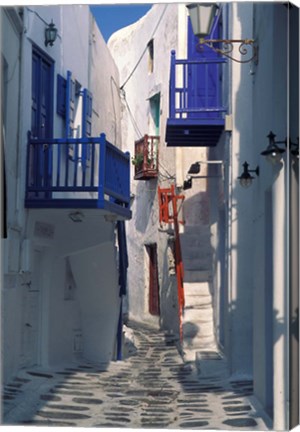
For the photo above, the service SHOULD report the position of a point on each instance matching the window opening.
(150, 56)
(154, 308)
(154, 114)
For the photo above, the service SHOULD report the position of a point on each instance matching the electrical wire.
(144, 51)
(134, 123)
(41, 18)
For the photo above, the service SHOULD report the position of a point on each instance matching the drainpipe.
(20, 161)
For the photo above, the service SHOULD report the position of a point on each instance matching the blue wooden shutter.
(70, 105)
(87, 107)
(61, 95)
(87, 110)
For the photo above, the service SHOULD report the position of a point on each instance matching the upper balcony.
(146, 158)
(86, 173)
(196, 112)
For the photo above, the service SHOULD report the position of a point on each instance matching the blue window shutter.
(61, 95)
(87, 110)
(70, 105)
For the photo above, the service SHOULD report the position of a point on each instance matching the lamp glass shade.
(202, 16)
(50, 34)
(245, 182)
(273, 153)
(274, 157)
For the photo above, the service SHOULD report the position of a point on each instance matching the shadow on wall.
(145, 199)
(168, 291)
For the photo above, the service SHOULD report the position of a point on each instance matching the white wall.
(270, 113)
(65, 320)
(241, 284)
(11, 289)
(127, 46)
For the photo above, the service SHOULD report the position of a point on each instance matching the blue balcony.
(196, 112)
(87, 173)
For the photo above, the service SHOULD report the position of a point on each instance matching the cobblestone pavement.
(153, 388)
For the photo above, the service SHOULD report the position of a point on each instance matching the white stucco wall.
(127, 47)
(65, 320)
(11, 289)
(241, 284)
(270, 113)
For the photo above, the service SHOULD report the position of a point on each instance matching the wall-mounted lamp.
(294, 148)
(187, 184)
(246, 178)
(50, 34)
(274, 153)
(194, 168)
(202, 17)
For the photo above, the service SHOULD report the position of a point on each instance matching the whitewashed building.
(239, 246)
(66, 188)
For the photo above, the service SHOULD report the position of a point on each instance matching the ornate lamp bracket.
(246, 47)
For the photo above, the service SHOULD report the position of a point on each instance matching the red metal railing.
(146, 158)
(167, 197)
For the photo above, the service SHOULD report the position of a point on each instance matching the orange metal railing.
(168, 213)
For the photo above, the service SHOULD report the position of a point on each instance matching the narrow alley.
(151, 388)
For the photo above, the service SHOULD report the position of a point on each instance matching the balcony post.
(145, 152)
(172, 84)
(127, 182)
(102, 161)
(28, 162)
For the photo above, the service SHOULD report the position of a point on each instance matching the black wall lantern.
(187, 184)
(274, 153)
(50, 34)
(246, 178)
(194, 168)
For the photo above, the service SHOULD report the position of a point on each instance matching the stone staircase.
(198, 321)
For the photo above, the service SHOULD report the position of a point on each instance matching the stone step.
(197, 276)
(197, 229)
(197, 264)
(203, 244)
(200, 343)
(197, 329)
(196, 252)
(196, 288)
(198, 302)
(198, 313)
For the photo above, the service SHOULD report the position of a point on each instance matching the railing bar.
(28, 167)
(218, 87)
(58, 165)
(62, 189)
(64, 141)
(206, 86)
(202, 61)
(67, 165)
(201, 110)
(76, 166)
(92, 164)
(83, 163)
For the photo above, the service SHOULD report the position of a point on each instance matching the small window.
(150, 56)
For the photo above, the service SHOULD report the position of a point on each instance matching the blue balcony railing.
(77, 172)
(196, 110)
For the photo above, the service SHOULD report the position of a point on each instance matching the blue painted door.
(41, 118)
(204, 80)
